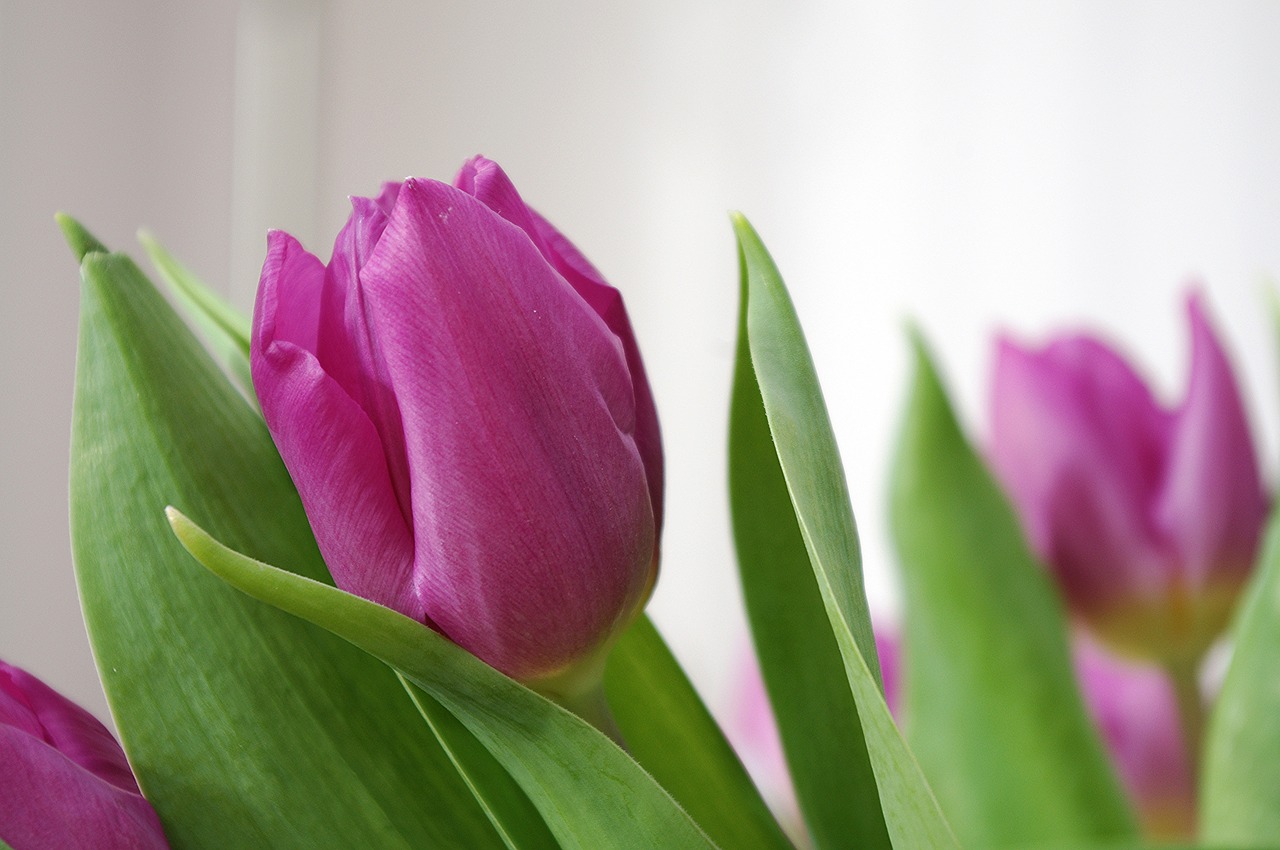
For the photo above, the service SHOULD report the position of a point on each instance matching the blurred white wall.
(991, 164)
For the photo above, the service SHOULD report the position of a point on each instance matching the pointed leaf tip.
(80, 240)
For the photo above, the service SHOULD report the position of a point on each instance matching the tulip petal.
(1079, 443)
(329, 444)
(1135, 710)
(488, 183)
(345, 345)
(607, 302)
(47, 800)
(1212, 504)
(520, 437)
(64, 781)
(29, 704)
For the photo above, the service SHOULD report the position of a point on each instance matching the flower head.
(64, 781)
(461, 403)
(1148, 517)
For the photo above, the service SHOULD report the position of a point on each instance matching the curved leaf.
(993, 710)
(589, 791)
(802, 575)
(672, 735)
(1240, 793)
(512, 814)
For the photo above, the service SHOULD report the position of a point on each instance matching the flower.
(1149, 518)
(1135, 710)
(64, 781)
(460, 401)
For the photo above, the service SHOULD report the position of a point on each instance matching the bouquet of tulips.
(369, 571)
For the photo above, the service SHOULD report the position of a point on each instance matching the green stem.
(580, 689)
(592, 707)
(1186, 690)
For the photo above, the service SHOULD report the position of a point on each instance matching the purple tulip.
(64, 781)
(1149, 518)
(1136, 712)
(460, 401)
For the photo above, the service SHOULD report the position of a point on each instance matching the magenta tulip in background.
(1135, 710)
(460, 401)
(1148, 517)
(64, 781)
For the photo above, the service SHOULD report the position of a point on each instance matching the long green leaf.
(799, 657)
(1240, 791)
(247, 728)
(801, 572)
(512, 814)
(995, 716)
(591, 794)
(671, 734)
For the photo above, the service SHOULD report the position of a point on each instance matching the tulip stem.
(1184, 678)
(592, 707)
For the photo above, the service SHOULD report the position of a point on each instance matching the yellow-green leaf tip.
(80, 240)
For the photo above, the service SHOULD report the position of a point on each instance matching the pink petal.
(1079, 443)
(531, 511)
(47, 800)
(1212, 505)
(1135, 710)
(327, 441)
(489, 184)
(64, 781)
(28, 704)
(607, 302)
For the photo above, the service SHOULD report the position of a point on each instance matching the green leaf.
(1240, 788)
(994, 713)
(590, 793)
(225, 328)
(512, 814)
(801, 573)
(247, 728)
(671, 734)
(78, 239)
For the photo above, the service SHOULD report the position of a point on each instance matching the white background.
(1019, 165)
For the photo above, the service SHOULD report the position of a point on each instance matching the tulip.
(459, 399)
(64, 781)
(1136, 711)
(1148, 518)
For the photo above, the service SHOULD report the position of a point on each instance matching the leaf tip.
(742, 228)
(187, 532)
(79, 240)
(921, 356)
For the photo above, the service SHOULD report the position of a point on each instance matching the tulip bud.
(1149, 518)
(1136, 711)
(459, 399)
(64, 781)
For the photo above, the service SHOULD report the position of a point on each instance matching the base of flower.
(1184, 679)
(580, 689)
